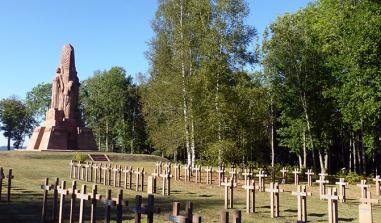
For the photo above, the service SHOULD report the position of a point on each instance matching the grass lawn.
(30, 169)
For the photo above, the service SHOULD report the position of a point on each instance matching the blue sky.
(103, 33)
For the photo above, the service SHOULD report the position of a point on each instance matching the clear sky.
(103, 33)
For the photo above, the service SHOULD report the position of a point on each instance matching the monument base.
(61, 134)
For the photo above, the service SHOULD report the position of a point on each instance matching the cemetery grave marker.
(322, 182)
(108, 202)
(159, 167)
(247, 174)
(332, 205)
(72, 169)
(229, 188)
(197, 169)
(301, 197)
(261, 180)
(9, 177)
(221, 174)
(151, 185)
(233, 174)
(82, 196)
(274, 199)
(377, 180)
(63, 192)
(99, 157)
(166, 188)
(309, 174)
(177, 171)
(250, 195)
(127, 177)
(45, 187)
(149, 210)
(97, 173)
(187, 218)
(117, 170)
(73, 194)
(209, 175)
(187, 172)
(284, 175)
(94, 197)
(363, 188)
(2, 177)
(296, 173)
(224, 216)
(342, 187)
(138, 174)
(365, 208)
(168, 167)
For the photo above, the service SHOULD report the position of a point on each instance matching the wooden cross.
(187, 172)
(296, 173)
(365, 208)
(342, 186)
(233, 174)
(82, 196)
(97, 173)
(274, 199)
(197, 169)
(139, 173)
(187, 218)
(364, 188)
(378, 187)
(106, 170)
(10, 177)
(63, 192)
(2, 177)
(166, 189)
(261, 180)
(309, 174)
(332, 205)
(94, 197)
(151, 185)
(247, 174)
(229, 188)
(73, 193)
(45, 187)
(117, 172)
(209, 175)
(322, 183)
(55, 199)
(72, 171)
(108, 202)
(86, 166)
(284, 175)
(250, 195)
(221, 174)
(79, 170)
(167, 167)
(127, 177)
(149, 209)
(177, 171)
(119, 206)
(159, 167)
(301, 197)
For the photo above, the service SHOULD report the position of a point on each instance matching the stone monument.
(63, 128)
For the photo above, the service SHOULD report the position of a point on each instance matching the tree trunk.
(300, 161)
(184, 90)
(9, 143)
(321, 162)
(304, 150)
(326, 159)
(355, 167)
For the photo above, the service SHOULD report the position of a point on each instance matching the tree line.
(307, 94)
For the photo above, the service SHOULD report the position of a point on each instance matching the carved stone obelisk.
(63, 128)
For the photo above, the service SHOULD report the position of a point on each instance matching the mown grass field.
(30, 169)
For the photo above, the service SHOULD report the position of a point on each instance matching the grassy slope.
(30, 168)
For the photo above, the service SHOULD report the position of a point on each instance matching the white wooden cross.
(45, 187)
(364, 188)
(250, 195)
(301, 197)
(274, 199)
(117, 170)
(377, 180)
(322, 182)
(296, 173)
(209, 175)
(247, 174)
(167, 167)
(83, 196)
(72, 165)
(197, 169)
(332, 198)
(127, 171)
(233, 174)
(229, 188)
(221, 174)
(261, 180)
(139, 173)
(97, 173)
(79, 170)
(365, 208)
(309, 174)
(63, 192)
(10, 176)
(94, 197)
(86, 167)
(108, 202)
(342, 187)
(73, 194)
(177, 171)
(106, 174)
(166, 189)
(284, 175)
(159, 167)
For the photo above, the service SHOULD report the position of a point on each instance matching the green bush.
(156, 153)
(80, 157)
(350, 177)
